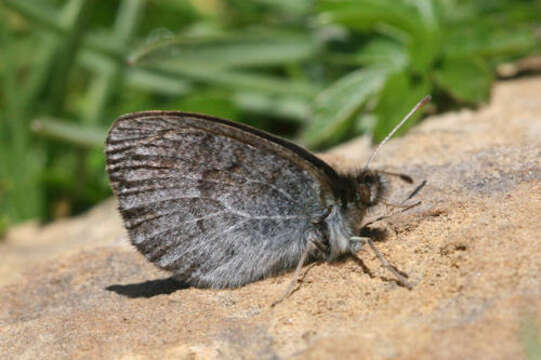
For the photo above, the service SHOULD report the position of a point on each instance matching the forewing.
(214, 202)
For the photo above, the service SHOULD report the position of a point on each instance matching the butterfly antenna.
(419, 105)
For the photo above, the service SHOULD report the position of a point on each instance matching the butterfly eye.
(369, 188)
(364, 193)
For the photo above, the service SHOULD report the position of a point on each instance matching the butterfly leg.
(414, 192)
(401, 279)
(401, 206)
(319, 218)
(356, 244)
(313, 246)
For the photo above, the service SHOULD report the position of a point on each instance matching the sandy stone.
(76, 289)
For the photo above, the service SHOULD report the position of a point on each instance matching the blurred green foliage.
(320, 71)
(530, 336)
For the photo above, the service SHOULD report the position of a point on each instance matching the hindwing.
(219, 204)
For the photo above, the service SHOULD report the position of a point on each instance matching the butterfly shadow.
(148, 289)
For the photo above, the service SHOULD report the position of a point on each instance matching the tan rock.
(75, 289)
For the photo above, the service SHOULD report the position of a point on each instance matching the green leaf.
(400, 93)
(212, 102)
(289, 7)
(366, 15)
(45, 16)
(87, 137)
(336, 106)
(35, 11)
(237, 80)
(383, 53)
(416, 24)
(472, 40)
(135, 77)
(466, 80)
(253, 47)
(425, 42)
(291, 108)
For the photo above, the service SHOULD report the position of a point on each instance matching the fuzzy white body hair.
(341, 229)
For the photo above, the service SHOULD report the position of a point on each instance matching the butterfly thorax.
(364, 189)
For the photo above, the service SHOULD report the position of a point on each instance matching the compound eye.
(365, 193)
(368, 188)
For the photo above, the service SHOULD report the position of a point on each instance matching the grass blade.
(337, 105)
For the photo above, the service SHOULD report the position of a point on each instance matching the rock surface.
(76, 289)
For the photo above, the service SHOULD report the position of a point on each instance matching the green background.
(318, 72)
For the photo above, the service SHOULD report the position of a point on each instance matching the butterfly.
(221, 204)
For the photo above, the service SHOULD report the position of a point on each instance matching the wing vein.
(166, 261)
(134, 222)
(153, 235)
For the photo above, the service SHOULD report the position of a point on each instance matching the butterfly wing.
(219, 204)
